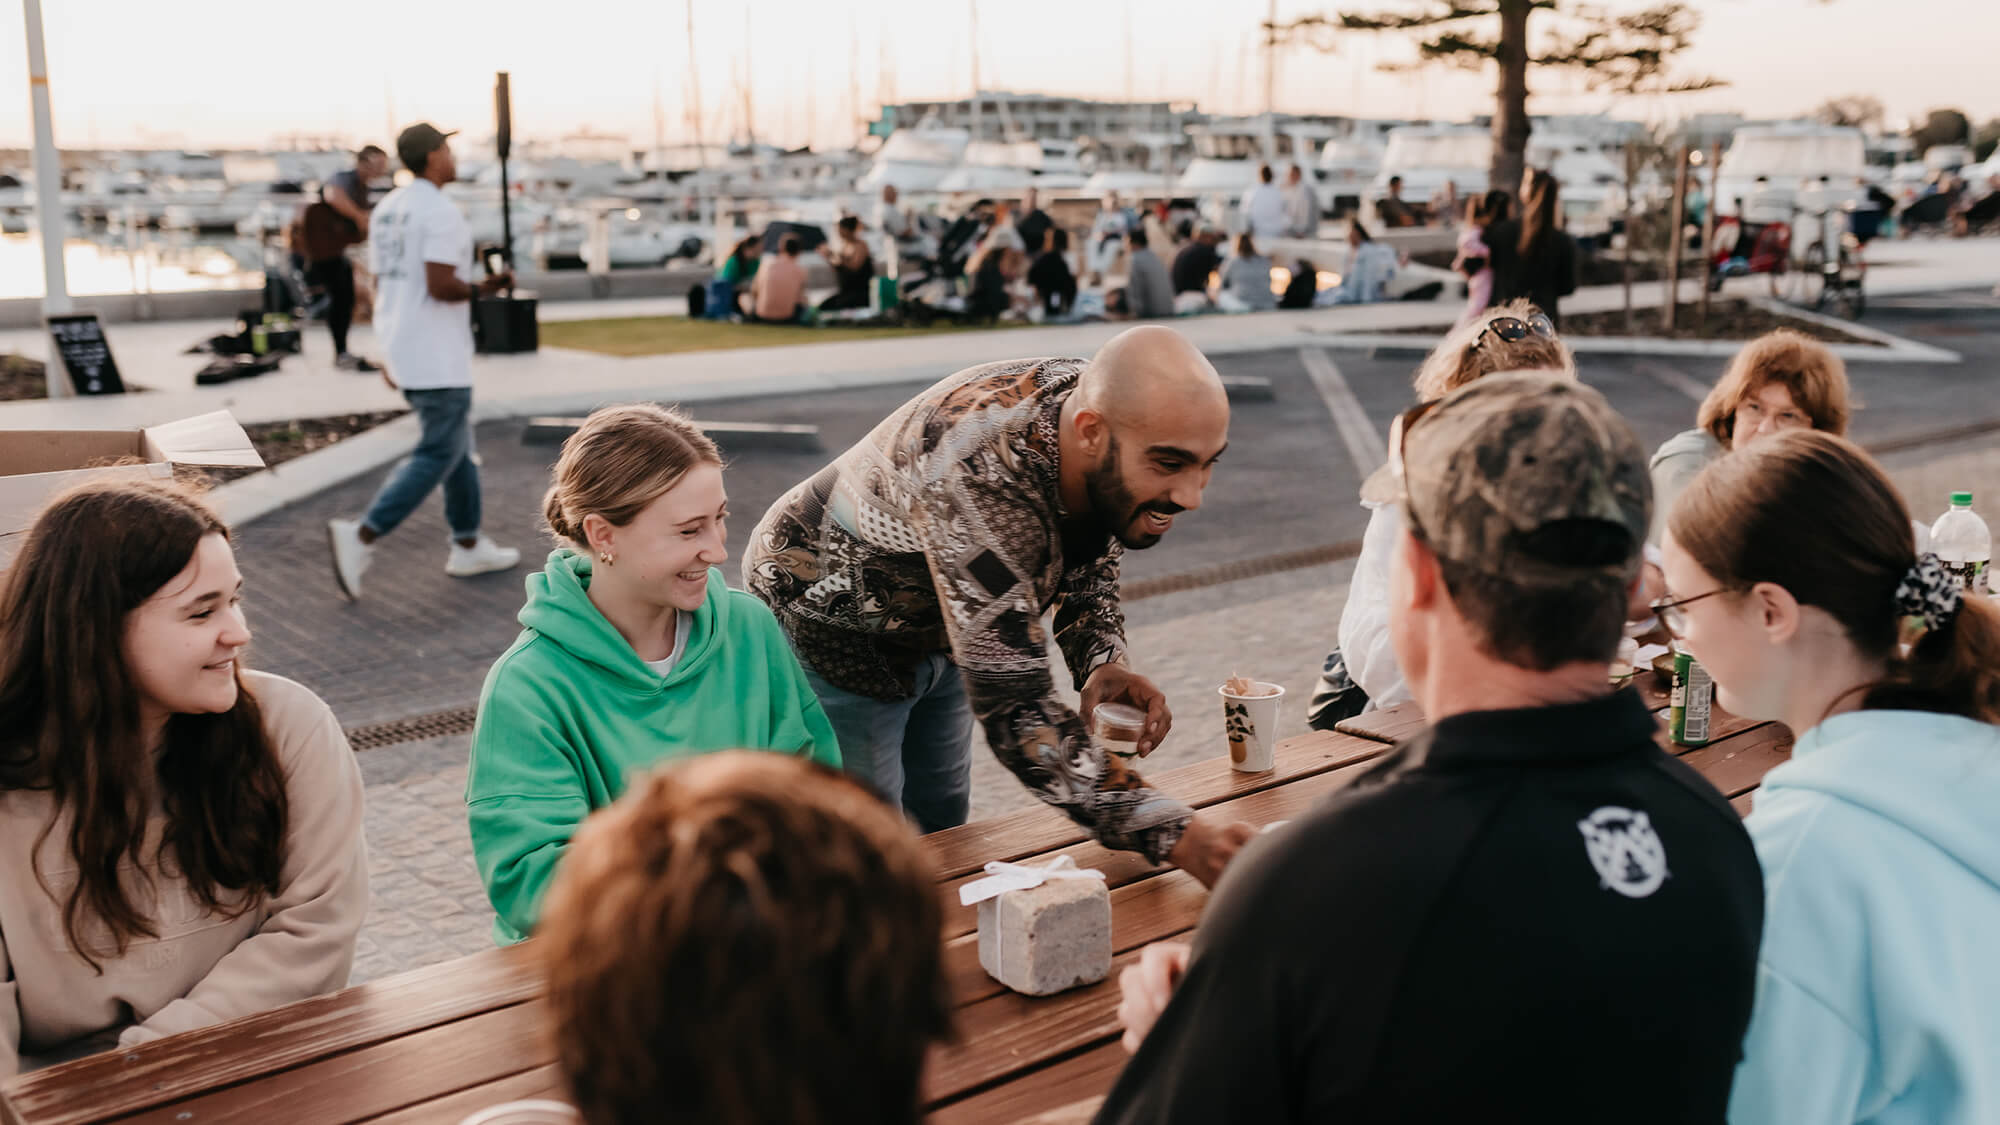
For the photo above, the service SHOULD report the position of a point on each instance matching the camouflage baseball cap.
(1487, 467)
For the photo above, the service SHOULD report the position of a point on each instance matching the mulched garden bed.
(1730, 318)
(279, 442)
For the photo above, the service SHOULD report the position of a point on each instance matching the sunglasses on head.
(1511, 329)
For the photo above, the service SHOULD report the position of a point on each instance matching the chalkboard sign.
(86, 354)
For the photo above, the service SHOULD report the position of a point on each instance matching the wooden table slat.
(967, 848)
(1121, 868)
(406, 1073)
(1086, 1075)
(1738, 765)
(1008, 1035)
(542, 1082)
(1389, 724)
(117, 1083)
(1141, 913)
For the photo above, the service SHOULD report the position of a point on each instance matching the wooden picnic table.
(438, 1043)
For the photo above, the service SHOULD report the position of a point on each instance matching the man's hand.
(494, 284)
(1145, 987)
(1208, 845)
(1115, 683)
(389, 379)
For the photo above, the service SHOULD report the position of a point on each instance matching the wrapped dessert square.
(1042, 928)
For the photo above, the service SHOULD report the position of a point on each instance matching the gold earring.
(605, 559)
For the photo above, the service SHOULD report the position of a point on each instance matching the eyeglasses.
(1398, 430)
(1512, 329)
(1669, 610)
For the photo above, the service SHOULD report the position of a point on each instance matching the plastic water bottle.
(1963, 543)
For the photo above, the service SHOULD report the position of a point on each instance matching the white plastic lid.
(1119, 720)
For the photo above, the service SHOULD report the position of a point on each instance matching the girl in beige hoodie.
(180, 839)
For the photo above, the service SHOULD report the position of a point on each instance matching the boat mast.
(973, 40)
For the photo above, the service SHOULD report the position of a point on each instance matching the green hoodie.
(570, 713)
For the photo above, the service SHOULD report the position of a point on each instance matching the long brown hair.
(1810, 512)
(1540, 203)
(69, 710)
(745, 937)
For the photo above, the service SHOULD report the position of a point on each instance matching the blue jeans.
(444, 454)
(916, 752)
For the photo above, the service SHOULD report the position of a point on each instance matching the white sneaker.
(350, 555)
(483, 557)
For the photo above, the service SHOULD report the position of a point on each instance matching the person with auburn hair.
(1362, 672)
(631, 650)
(1794, 579)
(180, 837)
(1782, 380)
(745, 939)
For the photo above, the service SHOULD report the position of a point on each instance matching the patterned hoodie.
(944, 531)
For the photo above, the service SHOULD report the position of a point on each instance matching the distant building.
(1002, 115)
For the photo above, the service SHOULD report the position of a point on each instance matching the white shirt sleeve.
(1364, 622)
(443, 238)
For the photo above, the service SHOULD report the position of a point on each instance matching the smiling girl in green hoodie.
(632, 651)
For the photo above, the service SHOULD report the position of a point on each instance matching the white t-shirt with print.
(426, 342)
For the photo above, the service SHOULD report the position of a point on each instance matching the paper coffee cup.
(1250, 722)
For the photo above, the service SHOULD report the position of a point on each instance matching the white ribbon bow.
(1004, 877)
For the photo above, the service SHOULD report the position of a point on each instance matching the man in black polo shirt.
(1526, 913)
(1197, 261)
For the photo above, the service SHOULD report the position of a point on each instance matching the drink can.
(260, 339)
(1692, 702)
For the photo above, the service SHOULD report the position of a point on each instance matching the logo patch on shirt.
(1625, 850)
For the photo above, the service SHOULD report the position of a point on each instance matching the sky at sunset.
(213, 73)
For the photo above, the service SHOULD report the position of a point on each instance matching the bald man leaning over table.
(914, 571)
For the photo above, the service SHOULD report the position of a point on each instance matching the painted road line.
(1357, 433)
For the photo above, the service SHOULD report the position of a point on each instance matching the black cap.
(415, 144)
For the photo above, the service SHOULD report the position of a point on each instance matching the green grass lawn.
(664, 335)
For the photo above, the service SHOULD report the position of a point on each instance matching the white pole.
(48, 191)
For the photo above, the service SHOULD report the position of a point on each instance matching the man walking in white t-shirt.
(421, 253)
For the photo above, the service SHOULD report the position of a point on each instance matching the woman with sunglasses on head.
(1780, 381)
(1362, 674)
(1794, 579)
(180, 838)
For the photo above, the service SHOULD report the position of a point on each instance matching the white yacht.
(916, 161)
(1427, 157)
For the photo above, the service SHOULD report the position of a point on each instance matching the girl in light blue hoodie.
(1793, 577)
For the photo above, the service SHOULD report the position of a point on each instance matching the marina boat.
(1790, 159)
(1428, 157)
(1593, 188)
(212, 211)
(1007, 168)
(916, 161)
(1346, 167)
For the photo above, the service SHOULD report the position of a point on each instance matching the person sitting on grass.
(1246, 280)
(778, 295)
(1055, 285)
(853, 267)
(745, 939)
(180, 837)
(1793, 577)
(739, 271)
(1149, 292)
(632, 650)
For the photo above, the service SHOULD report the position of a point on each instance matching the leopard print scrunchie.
(1929, 591)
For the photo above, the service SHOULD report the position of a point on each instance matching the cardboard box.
(35, 465)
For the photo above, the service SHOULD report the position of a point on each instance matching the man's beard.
(1112, 502)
